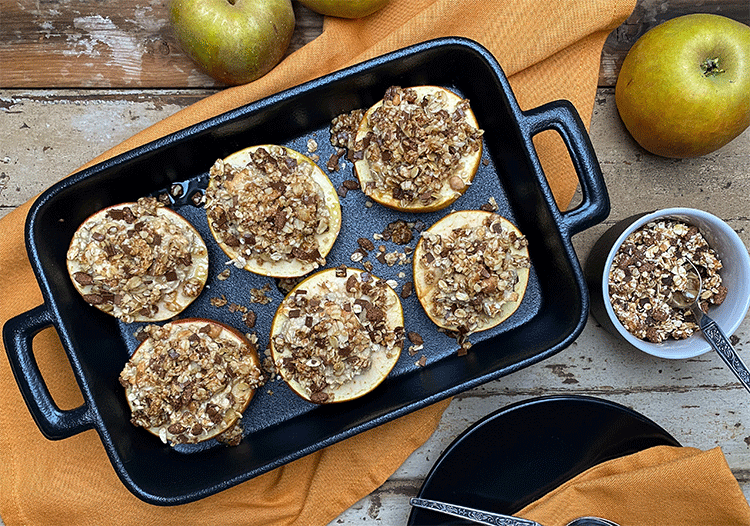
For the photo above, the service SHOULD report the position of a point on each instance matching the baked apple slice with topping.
(190, 380)
(337, 335)
(138, 261)
(471, 270)
(417, 149)
(272, 211)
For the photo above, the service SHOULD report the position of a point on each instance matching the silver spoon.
(689, 299)
(497, 519)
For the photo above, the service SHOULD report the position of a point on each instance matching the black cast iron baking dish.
(279, 426)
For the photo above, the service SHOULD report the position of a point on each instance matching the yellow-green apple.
(344, 8)
(234, 41)
(684, 87)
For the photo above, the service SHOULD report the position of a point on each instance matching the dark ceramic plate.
(281, 427)
(517, 454)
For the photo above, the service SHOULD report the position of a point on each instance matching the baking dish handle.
(53, 422)
(562, 117)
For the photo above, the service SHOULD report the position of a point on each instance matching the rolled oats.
(649, 266)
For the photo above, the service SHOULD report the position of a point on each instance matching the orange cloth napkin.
(550, 50)
(661, 486)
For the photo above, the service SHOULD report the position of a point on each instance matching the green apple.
(344, 8)
(234, 41)
(684, 87)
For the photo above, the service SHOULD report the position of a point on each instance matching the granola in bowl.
(190, 380)
(273, 211)
(138, 261)
(471, 270)
(417, 149)
(337, 335)
(648, 266)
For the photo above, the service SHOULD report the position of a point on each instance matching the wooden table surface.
(79, 76)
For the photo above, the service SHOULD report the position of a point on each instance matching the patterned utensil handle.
(720, 343)
(478, 516)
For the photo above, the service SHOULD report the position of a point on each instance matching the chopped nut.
(398, 231)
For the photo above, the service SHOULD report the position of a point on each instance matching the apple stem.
(710, 67)
(231, 1)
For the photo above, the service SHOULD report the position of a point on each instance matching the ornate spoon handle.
(720, 343)
(481, 517)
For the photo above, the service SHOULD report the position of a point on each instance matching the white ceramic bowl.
(735, 276)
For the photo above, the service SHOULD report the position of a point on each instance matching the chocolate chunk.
(407, 289)
(365, 243)
(349, 184)
(93, 299)
(415, 338)
(82, 278)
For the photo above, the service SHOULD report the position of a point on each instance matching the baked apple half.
(337, 335)
(272, 211)
(418, 149)
(190, 380)
(471, 270)
(138, 261)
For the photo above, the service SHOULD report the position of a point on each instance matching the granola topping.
(190, 381)
(472, 273)
(138, 261)
(334, 332)
(416, 148)
(270, 210)
(648, 266)
(344, 130)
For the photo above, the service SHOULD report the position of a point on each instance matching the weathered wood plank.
(48, 134)
(129, 44)
(89, 43)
